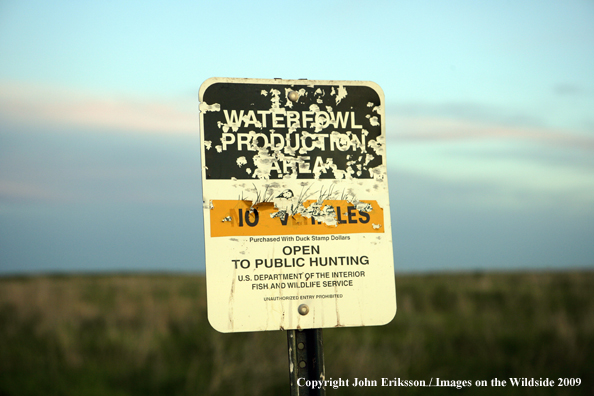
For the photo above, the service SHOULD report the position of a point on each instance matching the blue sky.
(489, 121)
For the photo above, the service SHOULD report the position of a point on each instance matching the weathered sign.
(296, 208)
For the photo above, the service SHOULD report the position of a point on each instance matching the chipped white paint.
(291, 158)
(341, 94)
(204, 107)
(241, 161)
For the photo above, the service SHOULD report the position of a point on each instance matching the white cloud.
(29, 191)
(444, 129)
(35, 104)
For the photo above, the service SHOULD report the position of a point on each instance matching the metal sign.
(296, 208)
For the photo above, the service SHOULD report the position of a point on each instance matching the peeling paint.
(287, 203)
(241, 161)
(363, 207)
(204, 107)
(341, 94)
(378, 145)
(311, 135)
(311, 168)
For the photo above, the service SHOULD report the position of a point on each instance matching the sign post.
(306, 361)
(296, 205)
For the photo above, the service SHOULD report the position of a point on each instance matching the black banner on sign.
(258, 131)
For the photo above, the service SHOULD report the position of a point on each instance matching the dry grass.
(143, 335)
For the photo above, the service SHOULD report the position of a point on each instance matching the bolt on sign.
(296, 207)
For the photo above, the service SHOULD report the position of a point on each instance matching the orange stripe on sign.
(233, 218)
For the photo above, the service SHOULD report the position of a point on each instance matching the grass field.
(148, 335)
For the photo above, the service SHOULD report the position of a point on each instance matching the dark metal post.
(306, 361)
